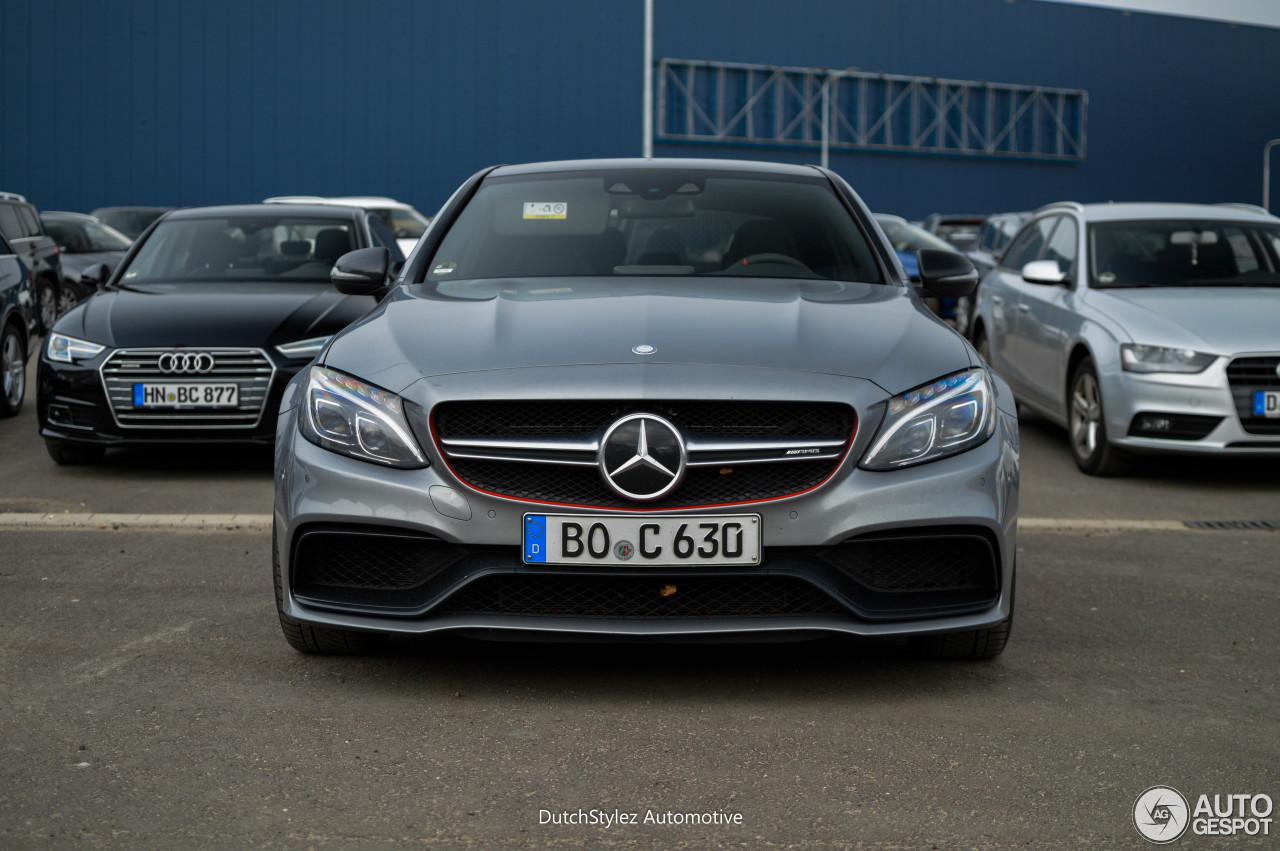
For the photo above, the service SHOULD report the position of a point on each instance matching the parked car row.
(602, 357)
(51, 261)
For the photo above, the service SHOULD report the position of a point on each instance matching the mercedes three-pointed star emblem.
(642, 457)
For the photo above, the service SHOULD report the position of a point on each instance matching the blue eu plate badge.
(535, 538)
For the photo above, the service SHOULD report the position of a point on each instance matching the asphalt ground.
(148, 700)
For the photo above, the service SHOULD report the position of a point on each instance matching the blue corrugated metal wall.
(198, 102)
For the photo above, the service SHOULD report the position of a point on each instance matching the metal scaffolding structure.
(734, 103)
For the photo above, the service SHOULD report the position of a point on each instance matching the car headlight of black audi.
(946, 417)
(66, 349)
(348, 416)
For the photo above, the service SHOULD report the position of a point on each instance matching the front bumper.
(477, 536)
(72, 406)
(1202, 404)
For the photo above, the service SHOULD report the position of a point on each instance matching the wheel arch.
(1079, 352)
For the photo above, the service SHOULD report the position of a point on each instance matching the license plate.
(639, 540)
(1266, 403)
(186, 395)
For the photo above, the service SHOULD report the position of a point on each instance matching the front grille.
(568, 418)
(370, 568)
(1248, 376)
(248, 368)
(641, 598)
(577, 481)
(701, 486)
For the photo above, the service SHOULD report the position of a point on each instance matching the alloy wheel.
(13, 371)
(1086, 415)
(48, 301)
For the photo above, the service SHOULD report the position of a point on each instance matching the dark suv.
(21, 228)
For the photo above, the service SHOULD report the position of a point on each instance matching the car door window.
(382, 237)
(1061, 246)
(9, 224)
(30, 224)
(1029, 244)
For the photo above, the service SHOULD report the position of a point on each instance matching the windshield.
(907, 237)
(655, 221)
(404, 223)
(249, 248)
(82, 237)
(1185, 253)
(131, 223)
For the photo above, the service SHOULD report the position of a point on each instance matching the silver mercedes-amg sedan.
(662, 399)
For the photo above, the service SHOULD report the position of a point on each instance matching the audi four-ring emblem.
(185, 363)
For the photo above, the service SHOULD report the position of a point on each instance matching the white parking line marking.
(135, 521)
(253, 522)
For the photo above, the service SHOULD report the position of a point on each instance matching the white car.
(404, 222)
(1141, 327)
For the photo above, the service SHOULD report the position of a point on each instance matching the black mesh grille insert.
(1247, 377)
(641, 597)
(701, 486)
(562, 418)
(583, 485)
(917, 565)
(371, 562)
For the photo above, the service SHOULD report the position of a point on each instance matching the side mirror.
(946, 274)
(95, 276)
(362, 272)
(1043, 272)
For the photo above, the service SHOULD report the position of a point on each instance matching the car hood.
(1218, 320)
(236, 314)
(74, 264)
(876, 332)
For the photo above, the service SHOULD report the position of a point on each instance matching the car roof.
(1129, 211)
(366, 202)
(659, 163)
(139, 209)
(320, 211)
(63, 214)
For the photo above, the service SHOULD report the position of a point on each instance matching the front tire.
(13, 371)
(47, 304)
(307, 638)
(983, 345)
(74, 454)
(1087, 426)
(974, 644)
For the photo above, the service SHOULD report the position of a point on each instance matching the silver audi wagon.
(650, 399)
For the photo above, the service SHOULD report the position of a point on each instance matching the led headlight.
(347, 416)
(304, 348)
(69, 349)
(1136, 358)
(949, 416)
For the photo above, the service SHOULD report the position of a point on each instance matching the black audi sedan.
(193, 337)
